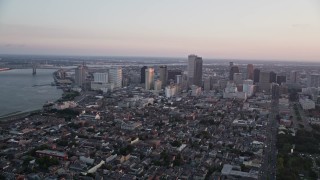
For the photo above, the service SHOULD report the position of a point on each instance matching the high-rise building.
(178, 79)
(293, 77)
(157, 85)
(80, 75)
(207, 84)
(195, 70)
(256, 75)
(238, 78)
(101, 77)
(115, 76)
(233, 70)
(273, 77)
(314, 80)
(281, 79)
(250, 71)
(248, 87)
(149, 74)
(163, 75)
(275, 91)
(264, 81)
(143, 74)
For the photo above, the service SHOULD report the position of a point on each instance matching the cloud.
(9, 45)
(300, 25)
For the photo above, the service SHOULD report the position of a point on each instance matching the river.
(18, 92)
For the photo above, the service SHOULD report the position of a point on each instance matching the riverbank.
(4, 69)
(16, 116)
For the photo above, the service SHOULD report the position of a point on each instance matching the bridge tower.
(34, 69)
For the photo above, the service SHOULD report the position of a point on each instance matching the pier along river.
(20, 91)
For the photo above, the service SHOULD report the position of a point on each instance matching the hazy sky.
(243, 29)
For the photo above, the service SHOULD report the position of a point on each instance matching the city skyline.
(286, 30)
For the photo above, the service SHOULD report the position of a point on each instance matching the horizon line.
(167, 57)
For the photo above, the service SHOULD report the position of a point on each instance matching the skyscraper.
(80, 75)
(149, 81)
(195, 70)
(143, 74)
(264, 81)
(237, 78)
(293, 77)
(314, 80)
(256, 75)
(250, 71)
(163, 75)
(233, 70)
(273, 77)
(115, 76)
(275, 91)
(101, 77)
(281, 79)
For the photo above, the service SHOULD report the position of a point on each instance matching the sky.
(228, 29)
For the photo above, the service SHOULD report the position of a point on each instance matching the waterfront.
(18, 92)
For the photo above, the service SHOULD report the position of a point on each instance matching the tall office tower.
(256, 75)
(250, 71)
(178, 79)
(184, 83)
(230, 64)
(101, 77)
(233, 69)
(143, 74)
(293, 76)
(264, 81)
(207, 84)
(238, 78)
(281, 79)
(149, 74)
(275, 91)
(248, 87)
(195, 70)
(80, 75)
(273, 77)
(158, 85)
(314, 80)
(163, 75)
(115, 76)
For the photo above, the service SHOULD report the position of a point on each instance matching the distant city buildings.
(163, 75)
(314, 80)
(250, 71)
(149, 78)
(273, 77)
(264, 82)
(195, 70)
(281, 79)
(233, 70)
(80, 75)
(115, 74)
(143, 74)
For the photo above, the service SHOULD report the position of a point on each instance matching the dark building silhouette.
(233, 70)
(281, 79)
(173, 73)
(250, 71)
(275, 88)
(163, 75)
(256, 75)
(143, 74)
(273, 77)
(195, 70)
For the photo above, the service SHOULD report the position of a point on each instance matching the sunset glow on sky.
(246, 29)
